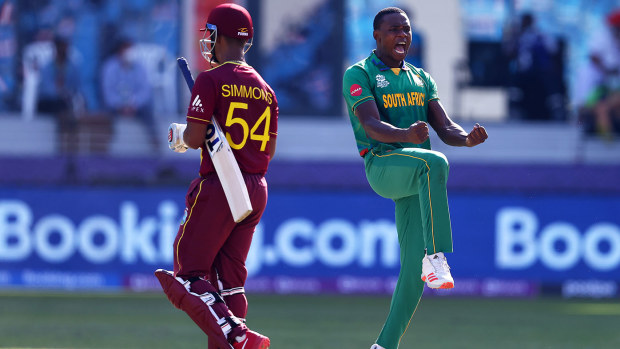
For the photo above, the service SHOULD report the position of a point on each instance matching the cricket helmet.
(230, 20)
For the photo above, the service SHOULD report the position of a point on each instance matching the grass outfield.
(37, 320)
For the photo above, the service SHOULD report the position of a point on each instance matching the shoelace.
(440, 264)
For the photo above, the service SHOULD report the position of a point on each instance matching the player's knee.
(438, 161)
(200, 286)
(438, 167)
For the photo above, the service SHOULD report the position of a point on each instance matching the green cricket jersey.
(401, 95)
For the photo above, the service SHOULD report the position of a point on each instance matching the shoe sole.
(444, 286)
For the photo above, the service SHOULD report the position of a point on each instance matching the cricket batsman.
(210, 249)
(390, 104)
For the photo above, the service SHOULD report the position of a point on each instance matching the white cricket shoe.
(376, 346)
(436, 272)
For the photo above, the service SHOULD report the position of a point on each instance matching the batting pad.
(207, 310)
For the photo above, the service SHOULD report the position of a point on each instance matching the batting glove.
(175, 137)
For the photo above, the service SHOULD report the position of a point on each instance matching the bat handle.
(189, 80)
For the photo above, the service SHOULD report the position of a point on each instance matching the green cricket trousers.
(415, 179)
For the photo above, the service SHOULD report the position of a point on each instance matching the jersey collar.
(382, 66)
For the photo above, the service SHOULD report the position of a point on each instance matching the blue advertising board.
(114, 238)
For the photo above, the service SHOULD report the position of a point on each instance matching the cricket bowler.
(390, 104)
(210, 248)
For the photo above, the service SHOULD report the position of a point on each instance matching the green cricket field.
(148, 320)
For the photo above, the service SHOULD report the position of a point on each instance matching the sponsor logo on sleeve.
(356, 90)
(197, 105)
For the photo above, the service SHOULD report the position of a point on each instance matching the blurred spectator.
(59, 93)
(598, 92)
(125, 88)
(302, 66)
(534, 76)
(8, 45)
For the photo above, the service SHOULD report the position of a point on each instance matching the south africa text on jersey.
(243, 91)
(393, 100)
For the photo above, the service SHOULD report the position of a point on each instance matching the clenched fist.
(418, 132)
(476, 136)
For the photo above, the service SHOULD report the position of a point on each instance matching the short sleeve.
(202, 103)
(273, 125)
(356, 87)
(431, 87)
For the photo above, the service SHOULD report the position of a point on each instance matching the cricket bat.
(223, 160)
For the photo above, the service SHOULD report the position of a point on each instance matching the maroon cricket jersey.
(246, 108)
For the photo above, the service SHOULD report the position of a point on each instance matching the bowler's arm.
(449, 131)
(368, 114)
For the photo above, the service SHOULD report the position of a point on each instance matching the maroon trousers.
(210, 244)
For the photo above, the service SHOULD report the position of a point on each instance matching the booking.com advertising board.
(310, 242)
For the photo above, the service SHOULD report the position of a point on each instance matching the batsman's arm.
(194, 135)
(272, 147)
